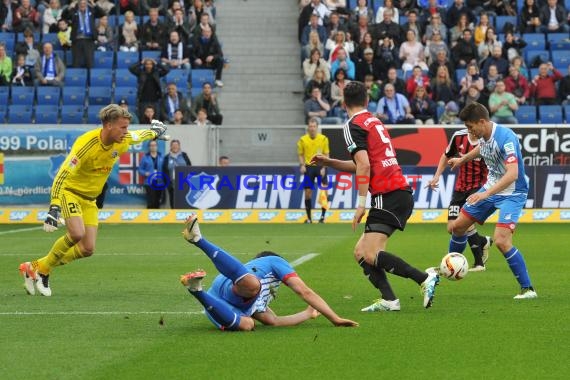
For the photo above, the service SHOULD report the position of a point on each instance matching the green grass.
(474, 330)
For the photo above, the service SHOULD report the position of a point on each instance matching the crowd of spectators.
(422, 60)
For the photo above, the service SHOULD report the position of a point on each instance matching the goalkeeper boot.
(29, 275)
(193, 280)
(191, 230)
(42, 284)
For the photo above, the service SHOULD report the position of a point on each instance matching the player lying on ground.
(75, 188)
(242, 292)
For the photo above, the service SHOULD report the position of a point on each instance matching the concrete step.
(264, 117)
(257, 101)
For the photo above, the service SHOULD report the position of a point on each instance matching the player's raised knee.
(246, 324)
(249, 286)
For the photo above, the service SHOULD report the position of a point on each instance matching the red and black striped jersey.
(473, 174)
(364, 131)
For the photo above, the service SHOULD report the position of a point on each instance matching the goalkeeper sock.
(226, 264)
(57, 251)
(219, 310)
(395, 265)
(73, 253)
(377, 276)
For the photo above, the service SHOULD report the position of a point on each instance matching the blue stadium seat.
(195, 91)
(23, 96)
(126, 58)
(351, 4)
(74, 95)
(459, 74)
(561, 58)
(558, 41)
(3, 113)
(47, 114)
(377, 4)
(531, 54)
(99, 96)
(178, 76)
(372, 106)
(101, 78)
(532, 73)
(128, 93)
(104, 59)
(201, 76)
(550, 114)
(4, 95)
(93, 115)
(20, 37)
(48, 95)
(76, 77)
(150, 54)
(535, 41)
(124, 78)
(51, 38)
(20, 114)
(526, 115)
(72, 114)
(9, 39)
(500, 22)
(567, 113)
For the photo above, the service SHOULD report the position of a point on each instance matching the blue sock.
(457, 243)
(219, 310)
(518, 266)
(226, 264)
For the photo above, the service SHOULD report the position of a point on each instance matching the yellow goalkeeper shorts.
(73, 204)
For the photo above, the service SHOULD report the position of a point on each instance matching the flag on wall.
(128, 165)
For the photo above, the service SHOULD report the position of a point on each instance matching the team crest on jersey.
(115, 154)
(203, 194)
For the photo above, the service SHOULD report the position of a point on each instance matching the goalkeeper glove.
(160, 129)
(53, 217)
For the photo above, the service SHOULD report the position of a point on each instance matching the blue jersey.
(503, 148)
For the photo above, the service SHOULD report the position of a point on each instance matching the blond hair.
(113, 112)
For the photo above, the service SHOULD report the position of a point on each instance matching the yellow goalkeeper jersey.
(89, 164)
(308, 147)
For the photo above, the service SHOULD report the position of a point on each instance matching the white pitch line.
(303, 259)
(100, 312)
(20, 230)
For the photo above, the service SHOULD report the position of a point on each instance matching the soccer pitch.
(122, 314)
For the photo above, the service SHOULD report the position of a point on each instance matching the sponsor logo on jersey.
(115, 154)
(183, 215)
(240, 215)
(18, 216)
(73, 162)
(293, 216)
(157, 215)
(211, 216)
(130, 215)
(541, 215)
(104, 215)
(267, 216)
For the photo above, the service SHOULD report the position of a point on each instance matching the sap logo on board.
(183, 215)
(42, 215)
(541, 215)
(104, 215)
(267, 216)
(564, 215)
(18, 216)
(346, 215)
(240, 215)
(430, 215)
(130, 215)
(293, 216)
(211, 216)
(157, 215)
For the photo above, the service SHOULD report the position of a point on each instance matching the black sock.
(474, 243)
(323, 212)
(308, 208)
(395, 265)
(377, 277)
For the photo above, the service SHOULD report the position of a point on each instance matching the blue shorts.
(222, 288)
(509, 206)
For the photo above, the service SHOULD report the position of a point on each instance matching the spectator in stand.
(414, 24)
(314, 43)
(51, 16)
(387, 56)
(497, 60)
(368, 66)
(179, 118)
(313, 63)
(174, 101)
(417, 79)
(367, 43)
(502, 105)
(204, 23)
(223, 161)
(49, 69)
(434, 46)
(450, 114)
(394, 108)
(363, 9)
(21, 74)
(456, 32)
(154, 32)
(491, 80)
(564, 90)
(465, 51)
(5, 66)
(336, 5)
(29, 47)
(388, 6)
(173, 6)
(486, 47)
(423, 108)
(317, 107)
(530, 17)
(83, 34)
(360, 30)
(512, 47)
(207, 54)
(125, 105)
(25, 17)
(105, 37)
(471, 78)
(393, 79)
(64, 34)
(443, 89)
(473, 95)
(209, 102)
(181, 25)
(412, 53)
(455, 11)
(517, 85)
(481, 29)
(147, 5)
(336, 43)
(313, 26)
(152, 163)
(433, 4)
(388, 28)
(320, 81)
(107, 6)
(128, 33)
(175, 54)
(435, 25)
(553, 18)
(519, 64)
(337, 91)
(148, 114)
(441, 60)
(343, 62)
(171, 161)
(149, 90)
(7, 9)
(372, 88)
(543, 87)
(333, 26)
(405, 6)
(202, 118)
(430, 9)
(130, 5)
(198, 7)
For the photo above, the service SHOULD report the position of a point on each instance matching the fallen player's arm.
(269, 317)
(340, 165)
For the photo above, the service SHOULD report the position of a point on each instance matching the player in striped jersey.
(506, 189)
(470, 178)
(242, 292)
(75, 188)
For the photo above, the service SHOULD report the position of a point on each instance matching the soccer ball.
(454, 266)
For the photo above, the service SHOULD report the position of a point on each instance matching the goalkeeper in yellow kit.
(75, 188)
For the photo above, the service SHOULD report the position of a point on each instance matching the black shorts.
(458, 199)
(389, 212)
(314, 173)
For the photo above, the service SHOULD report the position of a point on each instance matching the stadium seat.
(128, 93)
(4, 95)
(51, 38)
(201, 76)
(459, 74)
(99, 96)
(531, 55)
(104, 59)
(74, 95)
(500, 22)
(20, 37)
(535, 41)
(558, 41)
(9, 39)
(23, 96)
(101, 78)
(124, 78)
(372, 106)
(178, 76)
(76, 77)
(351, 4)
(48, 95)
(3, 113)
(567, 113)
(376, 4)
(526, 115)
(47, 114)
(195, 91)
(72, 114)
(20, 114)
(550, 115)
(150, 54)
(533, 72)
(93, 115)
(126, 58)
(561, 58)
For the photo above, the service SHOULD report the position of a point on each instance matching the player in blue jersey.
(506, 189)
(242, 292)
